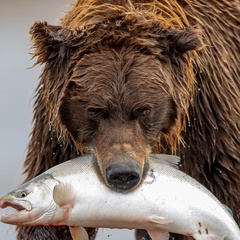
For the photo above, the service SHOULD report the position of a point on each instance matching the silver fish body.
(168, 200)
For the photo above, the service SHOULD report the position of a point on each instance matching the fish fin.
(63, 195)
(78, 233)
(158, 234)
(171, 160)
(160, 220)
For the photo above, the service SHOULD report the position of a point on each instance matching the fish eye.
(22, 194)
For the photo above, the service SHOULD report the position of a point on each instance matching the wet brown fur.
(193, 101)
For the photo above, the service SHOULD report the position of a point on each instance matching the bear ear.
(49, 41)
(185, 40)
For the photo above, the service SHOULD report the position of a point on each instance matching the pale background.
(17, 84)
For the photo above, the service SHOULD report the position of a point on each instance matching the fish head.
(32, 201)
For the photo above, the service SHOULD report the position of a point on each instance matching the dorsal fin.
(171, 160)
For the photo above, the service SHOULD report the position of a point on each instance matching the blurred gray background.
(17, 84)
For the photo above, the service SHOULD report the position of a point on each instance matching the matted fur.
(207, 126)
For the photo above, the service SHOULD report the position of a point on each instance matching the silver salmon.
(168, 200)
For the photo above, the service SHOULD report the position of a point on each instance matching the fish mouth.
(21, 208)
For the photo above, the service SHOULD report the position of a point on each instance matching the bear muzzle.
(123, 176)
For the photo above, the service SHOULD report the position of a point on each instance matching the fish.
(73, 194)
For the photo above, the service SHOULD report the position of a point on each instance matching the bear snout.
(123, 176)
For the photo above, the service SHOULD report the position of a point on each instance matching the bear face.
(111, 104)
(120, 92)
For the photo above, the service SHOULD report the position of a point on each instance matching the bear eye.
(163, 51)
(142, 112)
(96, 113)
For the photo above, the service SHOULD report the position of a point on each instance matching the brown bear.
(123, 78)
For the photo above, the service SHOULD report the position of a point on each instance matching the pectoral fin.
(157, 234)
(160, 220)
(78, 233)
(63, 195)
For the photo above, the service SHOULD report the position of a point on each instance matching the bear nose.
(122, 176)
